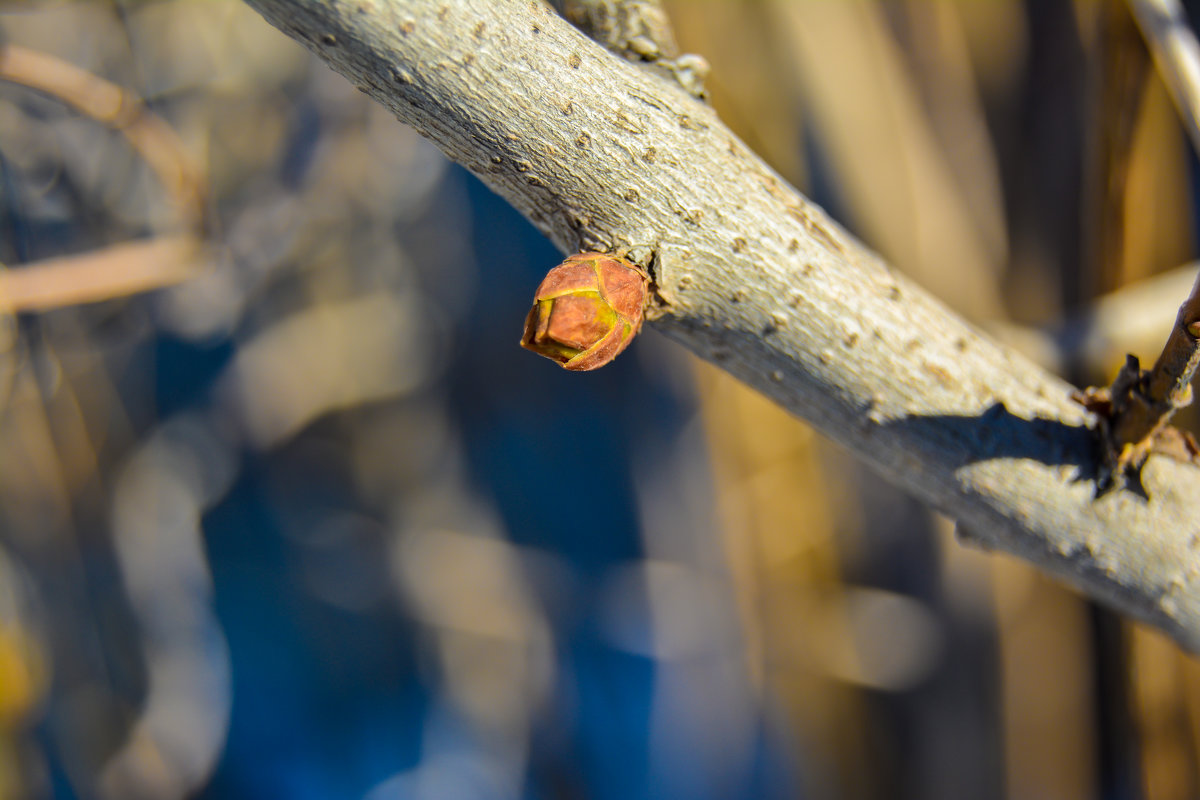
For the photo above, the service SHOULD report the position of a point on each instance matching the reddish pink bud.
(586, 311)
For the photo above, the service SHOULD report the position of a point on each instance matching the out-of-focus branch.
(124, 268)
(1124, 65)
(1134, 318)
(151, 137)
(756, 279)
(115, 271)
(1176, 55)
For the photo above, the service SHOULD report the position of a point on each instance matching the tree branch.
(756, 279)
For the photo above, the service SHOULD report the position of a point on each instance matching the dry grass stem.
(115, 271)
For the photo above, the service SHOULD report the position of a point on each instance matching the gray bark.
(756, 279)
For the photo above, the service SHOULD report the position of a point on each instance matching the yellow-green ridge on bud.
(586, 311)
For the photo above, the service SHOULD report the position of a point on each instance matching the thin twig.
(1143, 411)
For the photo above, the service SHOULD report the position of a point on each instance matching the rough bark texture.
(754, 278)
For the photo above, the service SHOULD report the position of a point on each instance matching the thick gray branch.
(757, 280)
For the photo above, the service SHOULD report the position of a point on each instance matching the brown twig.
(1136, 409)
(1172, 375)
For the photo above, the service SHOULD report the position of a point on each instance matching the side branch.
(1135, 410)
(756, 279)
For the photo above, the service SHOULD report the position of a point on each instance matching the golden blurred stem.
(1176, 54)
(113, 271)
(1124, 66)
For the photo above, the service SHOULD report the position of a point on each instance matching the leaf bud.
(586, 311)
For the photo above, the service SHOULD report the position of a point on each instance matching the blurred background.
(285, 512)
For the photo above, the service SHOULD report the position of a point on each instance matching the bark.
(599, 153)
